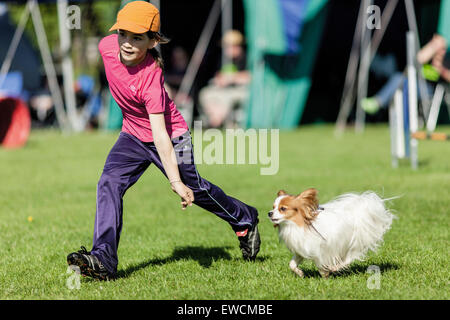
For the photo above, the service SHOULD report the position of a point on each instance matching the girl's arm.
(167, 154)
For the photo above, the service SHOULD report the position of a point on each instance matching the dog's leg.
(295, 261)
(325, 274)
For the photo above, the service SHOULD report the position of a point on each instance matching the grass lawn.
(167, 253)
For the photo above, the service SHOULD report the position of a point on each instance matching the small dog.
(333, 234)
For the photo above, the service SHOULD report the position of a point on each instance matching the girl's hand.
(186, 194)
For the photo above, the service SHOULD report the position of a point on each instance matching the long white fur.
(350, 225)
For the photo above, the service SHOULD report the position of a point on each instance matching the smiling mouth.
(127, 53)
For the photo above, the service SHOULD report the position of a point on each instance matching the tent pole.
(348, 92)
(412, 24)
(48, 65)
(435, 106)
(379, 33)
(156, 3)
(14, 44)
(363, 74)
(67, 69)
(199, 52)
(227, 24)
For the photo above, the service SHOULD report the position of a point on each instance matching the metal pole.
(227, 24)
(350, 77)
(399, 119)
(48, 65)
(66, 65)
(379, 33)
(348, 95)
(14, 43)
(156, 3)
(412, 94)
(394, 128)
(412, 25)
(363, 74)
(199, 52)
(435, 106)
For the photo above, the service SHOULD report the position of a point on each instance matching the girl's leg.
(208, 196)
(125, 163)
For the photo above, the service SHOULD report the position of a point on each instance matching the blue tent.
(26, 60)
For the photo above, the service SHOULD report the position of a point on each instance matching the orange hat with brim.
(138, 17)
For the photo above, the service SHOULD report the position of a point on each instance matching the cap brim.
(129, 26)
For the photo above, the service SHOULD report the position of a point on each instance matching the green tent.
(444, 20)
(280, 80)
(114, 119)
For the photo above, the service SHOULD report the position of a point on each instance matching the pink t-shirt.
(139, 91)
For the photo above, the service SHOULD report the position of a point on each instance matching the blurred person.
(174, 76)
(229, 87)
(441, 59)
(153, 131)
(42, 106)
(88, 99)
(42, 109)
(435, 52)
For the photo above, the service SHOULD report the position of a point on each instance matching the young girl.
(153, 131)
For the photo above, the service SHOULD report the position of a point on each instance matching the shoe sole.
(255, 248)
(85, 270)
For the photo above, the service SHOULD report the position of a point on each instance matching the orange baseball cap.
(138, 17)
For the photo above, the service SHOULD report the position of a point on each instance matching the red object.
(241, 233)
(15, 123)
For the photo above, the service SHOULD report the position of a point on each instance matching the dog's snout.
(270, 214)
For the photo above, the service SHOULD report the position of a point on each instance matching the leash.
(318, 209)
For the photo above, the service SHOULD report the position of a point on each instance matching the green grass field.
(167, 253)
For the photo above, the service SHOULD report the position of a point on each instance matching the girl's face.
(134, 46)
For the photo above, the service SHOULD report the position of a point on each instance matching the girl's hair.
(155, 53)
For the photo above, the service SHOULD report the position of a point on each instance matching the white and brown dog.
(333, 234)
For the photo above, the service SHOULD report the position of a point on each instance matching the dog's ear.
(309, 204)
(309, 195)
(281, 193)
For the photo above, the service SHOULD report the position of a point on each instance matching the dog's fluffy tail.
(373, 220)
(370, 219)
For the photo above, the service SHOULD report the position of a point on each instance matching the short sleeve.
(101, 46)
(108, 44)
(153, 93)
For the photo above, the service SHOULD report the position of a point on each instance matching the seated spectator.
(179, 61)
(229, 87)
(441, 59)
(42, 107)
(174, 75)
(435, 51)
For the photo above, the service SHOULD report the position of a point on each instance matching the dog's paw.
(298, 272)
(324, 274)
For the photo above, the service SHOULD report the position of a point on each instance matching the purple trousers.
(126, 162)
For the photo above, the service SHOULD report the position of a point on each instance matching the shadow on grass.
(204, 256)
(260, 258)
(406, 163)
(352, 270)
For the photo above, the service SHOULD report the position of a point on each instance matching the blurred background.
(230, 63)
(350, 84)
